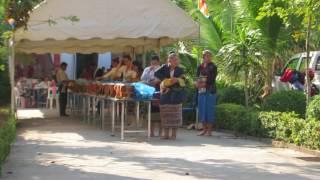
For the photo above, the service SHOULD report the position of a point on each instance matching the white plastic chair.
(52, 96)
(17, 97)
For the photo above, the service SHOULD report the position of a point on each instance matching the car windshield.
(318, 64)
(302, 65)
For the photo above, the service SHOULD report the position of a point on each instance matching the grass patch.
(7, 133)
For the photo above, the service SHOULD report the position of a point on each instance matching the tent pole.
(11, 71)
(133, 53)
(144, 58)
(198, 63)
(159, 48)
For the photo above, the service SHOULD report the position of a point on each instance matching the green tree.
(270, 28)
(243, 56)
(303, 10)
(4, 74)
(19, 10)
(216, 29)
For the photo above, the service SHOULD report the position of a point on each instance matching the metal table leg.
(94, 102)
(122, 119)
(72, 108)
(80, 104)
(102, 105)
(118, 114)
(88, 109)
(149, 119)
(113, 117)
(138, 114)
(84, 107)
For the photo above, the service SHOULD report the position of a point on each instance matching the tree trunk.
(11, 72)
(246, 89)
(308, 83)
(267, 89)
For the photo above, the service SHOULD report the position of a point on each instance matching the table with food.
(93, 99)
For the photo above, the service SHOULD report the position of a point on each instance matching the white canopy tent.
(104, 26)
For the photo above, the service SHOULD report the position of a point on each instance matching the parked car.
(297, 62)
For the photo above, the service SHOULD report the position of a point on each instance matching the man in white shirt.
(149, 78)
(148, 73)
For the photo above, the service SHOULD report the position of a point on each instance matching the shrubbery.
(286, 101)
(221, 84)
(313, 110)
(310, 135)
(231, 94)
(284, 126)
(5, 93)
(4, 82)
(229, 115)
(7, 136)
(4, 76)
(238, 118)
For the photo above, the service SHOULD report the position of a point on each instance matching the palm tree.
(215, 29)
(270, 28)
(242, 56)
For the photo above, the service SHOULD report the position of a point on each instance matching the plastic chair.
(41, 97)
(17, 97)
(52, 95)
(192, 107)
(193, 104)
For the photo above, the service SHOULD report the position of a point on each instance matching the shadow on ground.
(66, 149)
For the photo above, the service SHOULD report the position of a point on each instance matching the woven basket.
(171, 115)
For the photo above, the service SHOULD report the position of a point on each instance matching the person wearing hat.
(206, 85)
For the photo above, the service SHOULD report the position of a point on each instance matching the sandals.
(202, 133)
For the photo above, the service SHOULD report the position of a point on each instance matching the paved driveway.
(65, 149)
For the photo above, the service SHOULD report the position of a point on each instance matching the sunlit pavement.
(66, 149)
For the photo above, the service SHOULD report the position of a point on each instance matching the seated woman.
(43, 84)
(172, 92)
(114, 64)
(122, 71)
(41, 90)
(127, 70)
(88, 72)
(137, 67)
(99, 73)
(112, 72)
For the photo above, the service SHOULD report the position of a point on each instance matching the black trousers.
(63, 98)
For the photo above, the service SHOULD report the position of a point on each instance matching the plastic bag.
(143, 91)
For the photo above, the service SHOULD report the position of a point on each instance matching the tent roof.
(104, 25)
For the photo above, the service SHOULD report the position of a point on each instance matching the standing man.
(148, 73)
(62, 79)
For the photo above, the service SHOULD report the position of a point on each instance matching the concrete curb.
(281, 144)
(275, 143)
